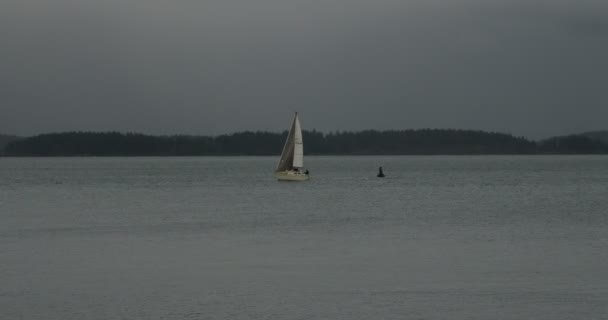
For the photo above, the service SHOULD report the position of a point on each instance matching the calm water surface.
(217, 238)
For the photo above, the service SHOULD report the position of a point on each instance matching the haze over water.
(467, 237)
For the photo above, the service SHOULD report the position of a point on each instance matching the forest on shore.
(368, 142)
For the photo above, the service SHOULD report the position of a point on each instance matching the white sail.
(286, 161)
(298, 152)
(293, 150)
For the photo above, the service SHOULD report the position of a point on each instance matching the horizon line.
(306, 130)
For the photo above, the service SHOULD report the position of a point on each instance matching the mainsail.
(293, 150)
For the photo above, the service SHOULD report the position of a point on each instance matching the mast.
(298, 152)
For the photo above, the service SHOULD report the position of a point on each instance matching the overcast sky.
(526, 67)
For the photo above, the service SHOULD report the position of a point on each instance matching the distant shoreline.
(420, 142)
(310, 155)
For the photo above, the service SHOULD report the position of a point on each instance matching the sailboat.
(290, 167)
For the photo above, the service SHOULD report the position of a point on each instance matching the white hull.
(291, 176)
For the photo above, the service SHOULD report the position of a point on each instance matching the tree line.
(368, 142)
(6, 139)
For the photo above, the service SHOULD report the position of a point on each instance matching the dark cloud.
(534, 68)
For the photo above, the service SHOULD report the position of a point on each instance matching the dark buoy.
(380, 173)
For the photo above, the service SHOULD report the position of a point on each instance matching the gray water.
(485, 237)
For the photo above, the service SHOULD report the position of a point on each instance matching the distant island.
(367, 142)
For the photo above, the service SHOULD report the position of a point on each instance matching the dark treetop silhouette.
(369, 142)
